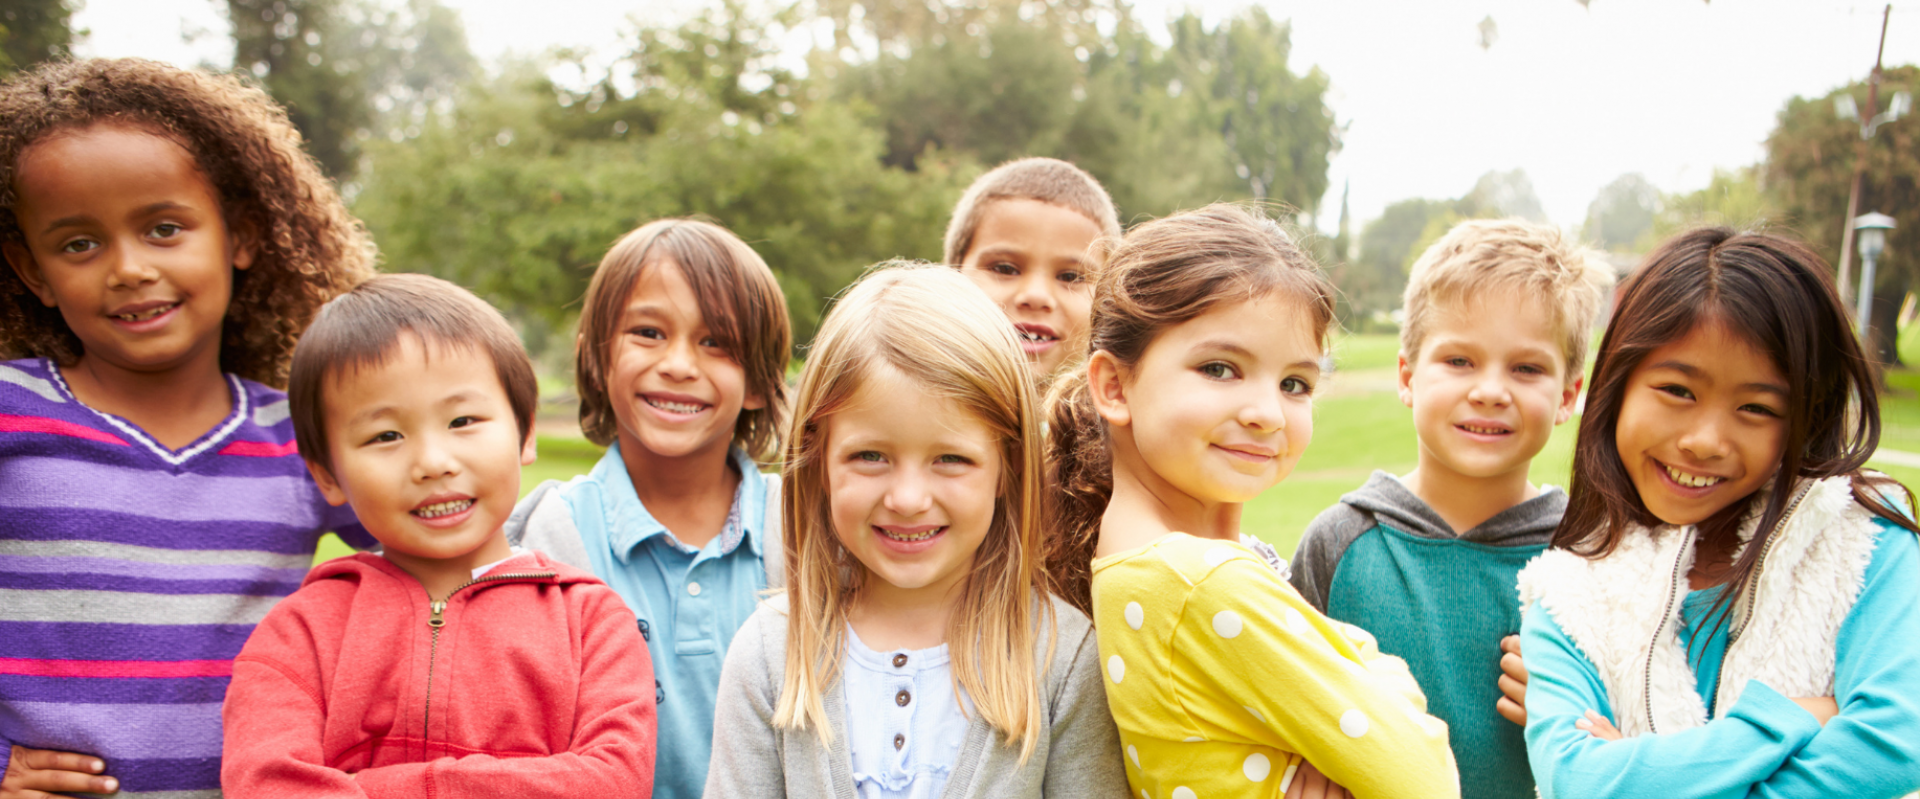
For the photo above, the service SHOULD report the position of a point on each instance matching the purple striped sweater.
(130, 574)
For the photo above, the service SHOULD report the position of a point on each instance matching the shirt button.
(693, 589)
(902, 698)
(899, 741)
(899, 660)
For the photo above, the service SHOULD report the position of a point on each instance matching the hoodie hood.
(1388, 501)
(361, 565)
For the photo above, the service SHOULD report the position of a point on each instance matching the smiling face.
(1487, 387)
(426, 449)
(912, 482)
(675, 393)
(126, 237)
(1031, 259)
(1701, 424)
(1220, 406)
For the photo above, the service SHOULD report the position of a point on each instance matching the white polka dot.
(1117, 669)
(1353, 723)
(1286, 777)
(1256, 713)
(1134, 754)
(1183, 792)
(1135, 615)
(1192, 739)
(1297, 622)
(1226, 623)
(1218, 555)
(1144, 795)
(1257, 767)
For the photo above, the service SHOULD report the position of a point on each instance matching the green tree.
(1731, 199)
(32, 31)
(1621, 214)
(1809, 169)
(1373, 281)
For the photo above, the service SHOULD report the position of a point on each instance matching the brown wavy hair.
(1778, 295)
(307, 248)
(935, 327)
(1161, 274)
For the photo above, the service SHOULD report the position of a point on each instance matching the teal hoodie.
(1384, 560)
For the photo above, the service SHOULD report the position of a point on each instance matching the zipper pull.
(439, 606)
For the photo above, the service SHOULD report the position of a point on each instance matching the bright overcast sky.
(1576, 96)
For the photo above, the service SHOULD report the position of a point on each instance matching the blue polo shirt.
(689, 601)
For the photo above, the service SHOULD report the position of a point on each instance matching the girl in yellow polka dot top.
(1208, 334)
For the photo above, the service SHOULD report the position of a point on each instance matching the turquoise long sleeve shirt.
(1765, 745)
(689, 602)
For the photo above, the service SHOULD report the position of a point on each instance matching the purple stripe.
(112, 731)
(49, 640)
(88, 524)
(57, 483)
(156, 571)
(141, 585)
(159, 691)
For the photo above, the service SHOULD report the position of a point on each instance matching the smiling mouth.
(142, 316)
(910, 538)
(1038, 338)
(684, 408)
(439, 509)
(1690, 480)
(1482, 430)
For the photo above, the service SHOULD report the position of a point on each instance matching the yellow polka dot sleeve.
(1223, 680)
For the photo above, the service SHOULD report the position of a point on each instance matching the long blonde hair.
(936, 328)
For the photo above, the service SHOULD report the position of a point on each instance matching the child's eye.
(79, 246)
(1219, 370)
(385, 437)
(951, 458)
(1529, 369)
(710, 342)
(647, 332)
(1298, 387)
(869, 456)
(1004, 268)
(166, 230)
(1070, 277)
(1458, 362)
(1760, 409)
(1679, 391)
(462, 421)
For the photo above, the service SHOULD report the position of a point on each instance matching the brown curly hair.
(308, 249)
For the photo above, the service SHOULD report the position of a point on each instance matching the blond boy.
(1498, 317)
(1021, 233)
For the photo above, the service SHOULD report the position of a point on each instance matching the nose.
(129, 270)
(907, 493)
(1264, 411)
(1034, 291)
(1706, 439)
(1490, 388)
(432, 459)
(679, 361)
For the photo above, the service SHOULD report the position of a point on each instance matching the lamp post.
(1873, 241)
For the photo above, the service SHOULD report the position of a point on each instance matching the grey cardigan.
(1078, 752)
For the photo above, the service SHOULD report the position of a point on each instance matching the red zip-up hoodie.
(530, 681)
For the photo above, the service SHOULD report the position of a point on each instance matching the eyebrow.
(1695, 372)
(145, 210)
(1234, 348)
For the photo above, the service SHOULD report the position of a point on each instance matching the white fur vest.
(1623, 610)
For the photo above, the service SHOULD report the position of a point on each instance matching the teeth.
(1690, 480)
(1032, 336)
(911, 538)
(440, 509)
(676, 407)
(144, 315)
(1487, 431)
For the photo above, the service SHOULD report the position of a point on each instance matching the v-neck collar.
(199, 446)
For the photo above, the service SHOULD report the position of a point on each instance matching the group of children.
(1002, 556)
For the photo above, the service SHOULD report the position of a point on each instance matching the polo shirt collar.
(631, 524)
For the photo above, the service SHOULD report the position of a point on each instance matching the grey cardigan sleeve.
(1084, 757)
(1320, 550)
(746, 748)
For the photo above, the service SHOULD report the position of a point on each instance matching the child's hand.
(1309, 783)
(1599, 727)
(1513, 682)
(41, 773)
(1823, 708)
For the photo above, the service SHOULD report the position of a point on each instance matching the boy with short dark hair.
(1021, 233)
(449, 664)
(1498, 315)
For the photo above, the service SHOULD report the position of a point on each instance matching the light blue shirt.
(689, 602)
(905, 724)
(1765, 745)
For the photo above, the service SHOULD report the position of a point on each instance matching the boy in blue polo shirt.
(1498, 315)
(681, 364)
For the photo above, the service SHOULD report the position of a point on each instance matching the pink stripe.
(116, 668)
(36, 424)
(260, 449)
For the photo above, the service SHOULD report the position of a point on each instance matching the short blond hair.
(1049, 180)
(1482, 255)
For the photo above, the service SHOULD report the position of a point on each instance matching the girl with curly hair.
(166, 240)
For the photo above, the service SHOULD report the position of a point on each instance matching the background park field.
(1359, 425)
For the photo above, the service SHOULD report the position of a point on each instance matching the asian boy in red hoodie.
(448, 665)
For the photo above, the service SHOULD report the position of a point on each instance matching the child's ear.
(754, 401)
(22, 262)
(528, 450)
(329, 487)
(1404, 371)
(243, 239)
(1106, 382)
(1569, 397)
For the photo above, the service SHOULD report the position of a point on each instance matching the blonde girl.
(916, 650)
(1208, 332)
